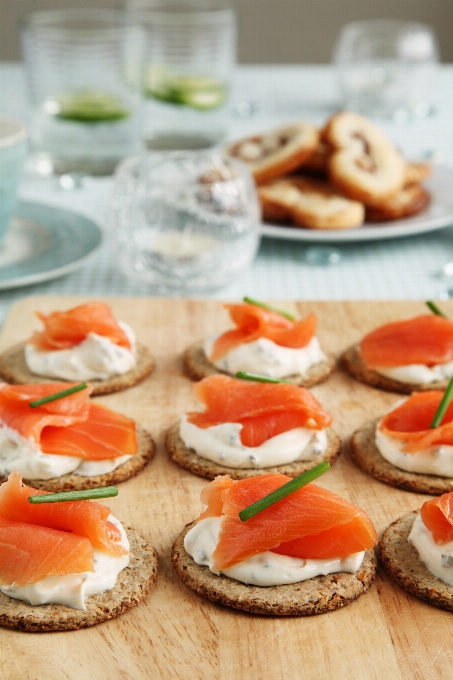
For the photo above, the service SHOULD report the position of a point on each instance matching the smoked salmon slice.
(426, 339)
(29, 422)
(103, 435)
(308, 515)
(411, 422)
(342, 540)
(70, 426)
(29, 553)
(87, 519)
(254, 322)
(263, 409)
(437, 516)
(211, 496)
(63, 330)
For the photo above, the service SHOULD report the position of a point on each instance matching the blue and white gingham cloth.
(391, 269)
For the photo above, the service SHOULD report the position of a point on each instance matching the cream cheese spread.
(435, 460)
(438, 559)
(25, 456)
(419, 374)
(72, 589)
(265, 569)
(263, 356)
(96, 358)
(222, 444)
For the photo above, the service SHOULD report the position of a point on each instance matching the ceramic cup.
(13, 149)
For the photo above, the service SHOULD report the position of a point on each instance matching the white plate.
(439, 214)
(44, 243)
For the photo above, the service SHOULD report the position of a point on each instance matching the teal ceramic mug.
(13, 149)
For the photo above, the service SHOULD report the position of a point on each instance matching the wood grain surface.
(175, 634)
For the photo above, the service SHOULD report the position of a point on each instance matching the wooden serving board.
(177, 634)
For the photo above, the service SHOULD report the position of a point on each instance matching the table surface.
(177, 634)
(402, 268)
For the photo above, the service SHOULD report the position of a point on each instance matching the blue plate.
(44, 243)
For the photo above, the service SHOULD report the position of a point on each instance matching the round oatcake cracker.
(367, 456)
(402, 563)
(352, 362)
(197, 366)
(132, 586)
(14, 370)
(190, 460)
(315, 596)
(73, 482)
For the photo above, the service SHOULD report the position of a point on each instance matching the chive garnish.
(283, 491)
(434, 308)
(83, 495)
(57, 395)
(244, 375)
(443, 405)
(272, 309)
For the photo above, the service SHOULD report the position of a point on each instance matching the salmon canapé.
(51, 539)
(411, 422)
(263, 409)
(253, 322)
(437, 516)
(63, 330)
(70, 426)
(30, 553)
(309, 523)
(425, 339)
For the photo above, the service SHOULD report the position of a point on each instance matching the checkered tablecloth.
(397, 269)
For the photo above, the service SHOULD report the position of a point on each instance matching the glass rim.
(125, 168)
(105, 20)
(195, 16)
(387, 23)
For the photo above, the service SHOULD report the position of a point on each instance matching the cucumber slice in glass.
(198, 92)
(87, 107)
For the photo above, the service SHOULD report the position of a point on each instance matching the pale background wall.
(272, 31)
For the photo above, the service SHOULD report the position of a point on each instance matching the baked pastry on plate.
(363, 164)
(275, 153)
(310, 203)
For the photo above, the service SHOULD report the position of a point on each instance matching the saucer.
(44, 243)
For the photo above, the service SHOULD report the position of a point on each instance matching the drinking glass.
(184, 222)
(189, 58)
(84, 90)
(385, 68)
